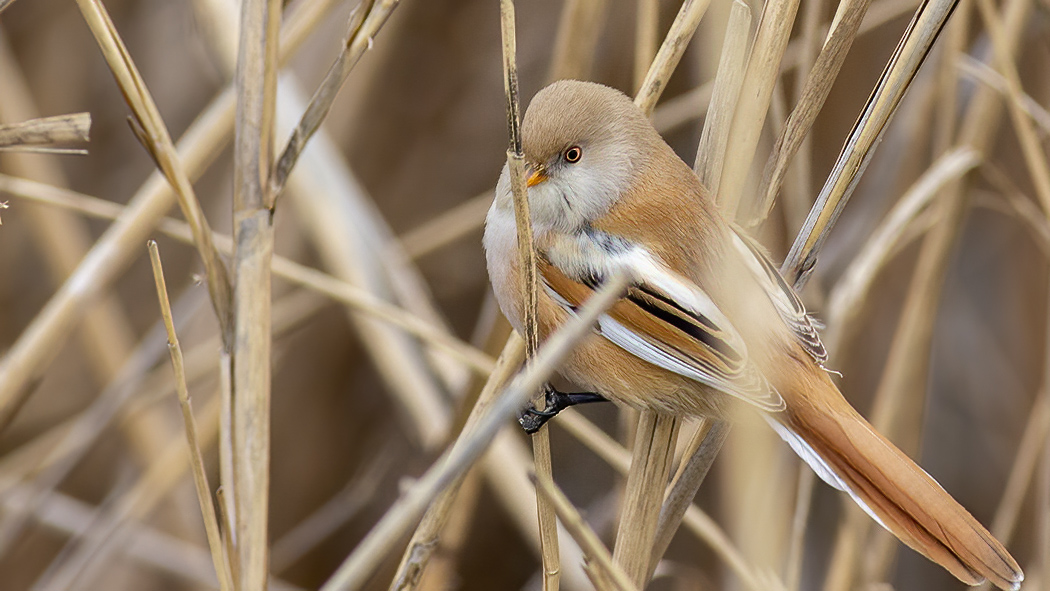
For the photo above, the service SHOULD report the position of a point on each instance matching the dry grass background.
(96, 490)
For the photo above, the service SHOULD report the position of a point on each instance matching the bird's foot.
(532, 419)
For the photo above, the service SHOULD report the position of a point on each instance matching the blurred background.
(391, 198)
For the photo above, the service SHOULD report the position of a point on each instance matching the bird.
(706, 324)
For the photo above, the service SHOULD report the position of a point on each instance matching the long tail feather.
(846, 451)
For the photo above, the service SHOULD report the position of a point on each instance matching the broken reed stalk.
(358, 567)
(200, 478)
(253, 234)
(107, 335)
(58, 129)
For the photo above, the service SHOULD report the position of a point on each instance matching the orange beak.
(535, 176)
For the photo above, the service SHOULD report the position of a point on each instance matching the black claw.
(531, 419)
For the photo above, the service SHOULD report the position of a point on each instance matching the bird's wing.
(785, 300)
(671, 323)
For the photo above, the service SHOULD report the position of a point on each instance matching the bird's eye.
(573, 154)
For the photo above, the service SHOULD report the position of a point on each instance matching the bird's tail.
(847, 452)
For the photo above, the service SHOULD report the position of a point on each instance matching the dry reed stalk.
(798, 193)
(904, 377)
(807, 478)
(578, 28)
(609, 576)
(954, 48)
(656, 434)
(763, 71)
(200, 478)
(1034, 157)
(640, 514)
(846, 298)
(703, 447)
(670, 53)
(986, 75)
(227, 506)
(324, 521)
(365, 23)
(442, 573)
(295, 273)
(454, 224)
(1030, 451)
(541, 445)
(255, 82)
(58, 129)
(911, 52)
(357, 567)
(646, 26)
(845, 28)
(355, 242)
(25, 361)
(508, 472)
(711, 151)
(153, 133)
(91, 548)
(149, 548)
(425, 539)
(683, 108)
(107, 336)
